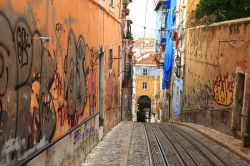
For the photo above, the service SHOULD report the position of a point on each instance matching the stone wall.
(217, 74)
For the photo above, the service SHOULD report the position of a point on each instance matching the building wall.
(152, 70)
(158, 25)
(49, 76)
(190, 9)
(214, 58)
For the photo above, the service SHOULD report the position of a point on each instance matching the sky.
(137, 15)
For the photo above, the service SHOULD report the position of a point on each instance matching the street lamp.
(178, 66)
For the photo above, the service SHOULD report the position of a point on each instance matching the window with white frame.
(145, 71)
(144, 85)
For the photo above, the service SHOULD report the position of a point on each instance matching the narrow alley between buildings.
(160, 144)
(124, 82)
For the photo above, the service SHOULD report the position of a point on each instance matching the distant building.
(143, 45)
(146, 88)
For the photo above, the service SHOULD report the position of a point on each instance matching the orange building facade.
(59, 80)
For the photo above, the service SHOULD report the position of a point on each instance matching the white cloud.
(137, 15)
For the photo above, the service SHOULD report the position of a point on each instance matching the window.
(145, 71)
(144, 85)
(111, 2)
(110, 58)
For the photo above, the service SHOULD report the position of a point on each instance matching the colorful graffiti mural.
(223, 90)
(34, 94)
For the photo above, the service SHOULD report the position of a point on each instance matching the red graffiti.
(62, 113)
(59, 28)
(73, 120)
(92, 90)
(64, 116)
(242, 64)
(109, 91)
(58, 84)
(91, 80)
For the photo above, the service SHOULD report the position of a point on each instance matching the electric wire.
(145, 23)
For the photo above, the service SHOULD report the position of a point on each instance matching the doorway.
(101, 87)
(239, 102)
(144, 109)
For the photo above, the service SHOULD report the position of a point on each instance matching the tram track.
(206, 151)
(171, 145)
(208, 147)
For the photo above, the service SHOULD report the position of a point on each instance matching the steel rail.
(186, 135)
(183, 147)
(149, 130)
(168, 142)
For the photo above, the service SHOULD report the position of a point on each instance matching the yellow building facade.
(146, 89)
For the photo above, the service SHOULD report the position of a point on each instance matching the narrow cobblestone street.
(109, 151)
(138, 148)
(158, 144)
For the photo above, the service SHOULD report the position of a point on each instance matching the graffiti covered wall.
(215, 57)
(49, 70)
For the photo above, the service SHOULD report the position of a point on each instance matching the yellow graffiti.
(223, 90)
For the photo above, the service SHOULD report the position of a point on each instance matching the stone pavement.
(109, 151)
(138, 154)
(125, 144)
(229, 142)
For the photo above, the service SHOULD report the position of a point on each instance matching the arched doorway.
(144, 108)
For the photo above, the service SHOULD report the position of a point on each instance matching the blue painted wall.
(177, 89)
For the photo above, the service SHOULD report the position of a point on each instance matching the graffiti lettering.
(200, 97)
(223, 90)
(77, 136)
(59, 28)
(23, 44)
(205, 96)
(83, 134)
(24, 63)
